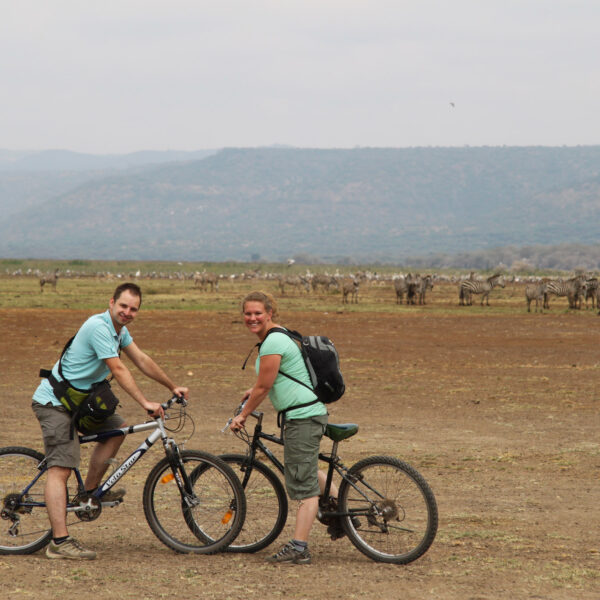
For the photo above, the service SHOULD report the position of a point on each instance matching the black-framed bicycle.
(186, 513)
(384, 505)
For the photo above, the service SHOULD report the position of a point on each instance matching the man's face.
(124, 309)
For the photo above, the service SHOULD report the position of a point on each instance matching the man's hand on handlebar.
(180, 391)
(155, 410)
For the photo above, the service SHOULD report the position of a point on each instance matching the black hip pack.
(88, 408)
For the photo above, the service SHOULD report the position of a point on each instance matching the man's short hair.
(132, 288)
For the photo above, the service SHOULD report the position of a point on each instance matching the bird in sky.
(452, 104)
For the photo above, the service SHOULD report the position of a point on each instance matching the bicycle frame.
(332, 459)
(158, 432)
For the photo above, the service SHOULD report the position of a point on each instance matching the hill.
(361, 204)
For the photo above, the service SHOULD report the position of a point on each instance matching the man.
(93, 354)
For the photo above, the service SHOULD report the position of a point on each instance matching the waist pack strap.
(60, 392)
(281, 413)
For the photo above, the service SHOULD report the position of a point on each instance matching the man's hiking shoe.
(114, 495)
(290, 556)
(110, 496)
(70, 549)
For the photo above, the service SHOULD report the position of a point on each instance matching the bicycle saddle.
(340, 432)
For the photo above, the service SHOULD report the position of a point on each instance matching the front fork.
(179, 473)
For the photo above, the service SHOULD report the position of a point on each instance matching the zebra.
(537, 292)
(401, 288)
(50, 279)
(591, 291)
(472, 286)
(296, 281)
(413, 283)
(571, 288)
(205, 279)
(350, 288)
(324, 280)
(426, 283)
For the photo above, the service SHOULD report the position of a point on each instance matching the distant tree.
(522, 265)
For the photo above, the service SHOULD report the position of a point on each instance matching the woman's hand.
(237, 423)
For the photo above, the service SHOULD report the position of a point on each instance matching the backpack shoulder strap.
(272, 330)
(48, 372)
(67, 345)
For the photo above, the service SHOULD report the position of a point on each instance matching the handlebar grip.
(174, 399)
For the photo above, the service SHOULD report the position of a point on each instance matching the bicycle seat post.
(334, 458)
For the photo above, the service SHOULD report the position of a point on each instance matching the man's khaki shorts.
(55, 421)
(302, 438)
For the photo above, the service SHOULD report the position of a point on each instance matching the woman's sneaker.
(70, 548)
(289, 555)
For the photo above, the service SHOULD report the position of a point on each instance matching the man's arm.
(149, 368)
(125, 379)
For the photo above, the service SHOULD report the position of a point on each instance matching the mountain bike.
(185, 513)
(384, 506)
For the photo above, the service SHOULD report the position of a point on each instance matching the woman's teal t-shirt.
(286, 393)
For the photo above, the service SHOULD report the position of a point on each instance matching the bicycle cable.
(243, 435)
(182, 417)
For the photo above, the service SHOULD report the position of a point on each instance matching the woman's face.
(256, 317)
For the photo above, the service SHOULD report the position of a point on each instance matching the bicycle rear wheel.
(209, 518)
(392, 513)
(266, 504)
(24, 527)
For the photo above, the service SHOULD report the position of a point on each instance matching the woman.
(303, 427)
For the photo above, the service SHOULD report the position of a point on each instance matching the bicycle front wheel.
(266, 504)
(24, 527)
(206, 518)
(392, 513)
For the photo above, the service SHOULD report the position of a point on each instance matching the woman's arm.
(267, 373)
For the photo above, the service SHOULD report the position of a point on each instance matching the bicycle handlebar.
(173, 400)
(255, 413)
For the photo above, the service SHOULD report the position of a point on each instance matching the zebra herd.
(576, 289)
(413, 286)
(408, 288)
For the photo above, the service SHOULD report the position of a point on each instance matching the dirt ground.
(500, 413)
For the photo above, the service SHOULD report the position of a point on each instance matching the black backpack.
(322, 363)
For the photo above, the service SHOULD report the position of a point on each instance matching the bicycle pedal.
(111, 503)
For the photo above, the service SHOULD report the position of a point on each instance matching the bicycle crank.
(89, 507)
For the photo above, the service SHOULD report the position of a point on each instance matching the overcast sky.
(116, 76)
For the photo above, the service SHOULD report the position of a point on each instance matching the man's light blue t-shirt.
(83, 363)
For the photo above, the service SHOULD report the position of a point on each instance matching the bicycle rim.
(393, 514)
(218, 504)
(266, 504)
(24, 529)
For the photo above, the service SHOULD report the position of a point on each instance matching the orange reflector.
(227, 517)
(167, 478)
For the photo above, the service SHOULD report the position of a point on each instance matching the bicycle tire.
(396, 521)
(216, 519)
(23, 529)
(266, 504)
